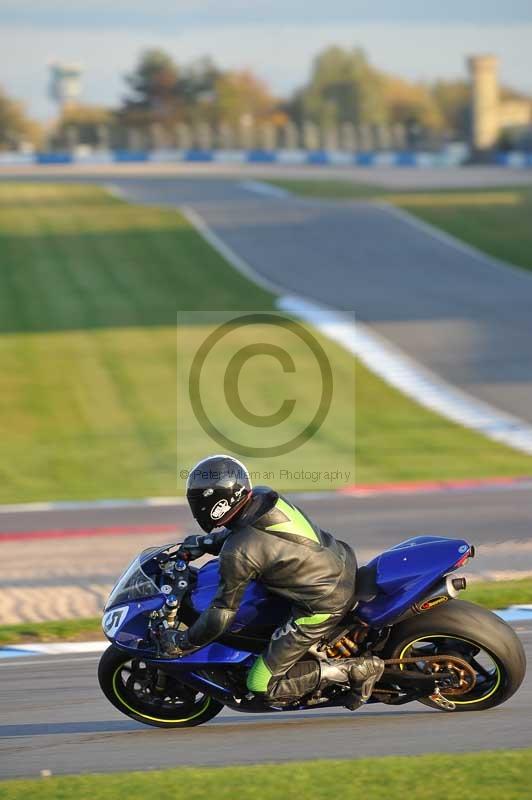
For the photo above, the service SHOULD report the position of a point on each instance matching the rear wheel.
(144, 693)
(472, 634)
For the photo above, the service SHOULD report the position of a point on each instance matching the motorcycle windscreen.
(134, 584)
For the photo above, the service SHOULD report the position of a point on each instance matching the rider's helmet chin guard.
(217, 489)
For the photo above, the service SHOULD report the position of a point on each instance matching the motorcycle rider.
(268, 538)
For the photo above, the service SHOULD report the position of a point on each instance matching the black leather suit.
(274, 542)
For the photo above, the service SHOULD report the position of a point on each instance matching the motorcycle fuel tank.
(258, 607)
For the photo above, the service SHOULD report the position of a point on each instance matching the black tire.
(467, 623)
(111, 670)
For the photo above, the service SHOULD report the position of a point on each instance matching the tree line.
(343, 87)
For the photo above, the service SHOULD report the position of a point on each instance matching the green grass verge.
(496, 220)
(89, 288)
(499, 594)
(490, 594)
(64, 630)
(489, 775)
(331, 189)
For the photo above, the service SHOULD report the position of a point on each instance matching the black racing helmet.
(217, 488)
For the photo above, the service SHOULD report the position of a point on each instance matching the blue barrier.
(406, 159)
(318, 157)
(53, 158)
(365, 159)
(513, 159)
(369, 158)
(130, 155)
(261, 156)
(198, 155)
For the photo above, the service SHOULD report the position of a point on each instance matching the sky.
(277, 39)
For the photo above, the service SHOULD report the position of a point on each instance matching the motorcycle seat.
(366, 588)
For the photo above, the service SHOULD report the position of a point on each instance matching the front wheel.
(145, 694)
(473, 634)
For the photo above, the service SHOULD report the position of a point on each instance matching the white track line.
(30, 662)
(62, 648)
(197, 222)
(116, 191)
(92, 505)
(266, 189)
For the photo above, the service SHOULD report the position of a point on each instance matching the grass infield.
(490, 594)
(489, 775)
(89, 290)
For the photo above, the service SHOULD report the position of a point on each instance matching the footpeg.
(442, 702)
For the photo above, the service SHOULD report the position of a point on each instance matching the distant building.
(65, 83)
(489, 114)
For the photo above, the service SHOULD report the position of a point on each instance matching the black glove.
(193, 546)
(197, 545)
(175, 643)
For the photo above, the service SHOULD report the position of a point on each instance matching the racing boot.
(360, 673)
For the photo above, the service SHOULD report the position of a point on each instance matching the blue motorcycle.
(449, 654)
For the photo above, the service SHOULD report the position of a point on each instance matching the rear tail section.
(414, 575)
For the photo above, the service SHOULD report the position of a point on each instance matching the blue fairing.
(406, 572)
(132, 630)
(257, 608)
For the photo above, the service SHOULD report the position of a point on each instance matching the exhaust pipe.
(459, 584)
(446, 590)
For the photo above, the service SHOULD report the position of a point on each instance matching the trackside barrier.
(514, 159)
(317, 158)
